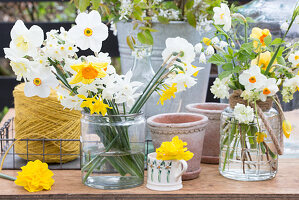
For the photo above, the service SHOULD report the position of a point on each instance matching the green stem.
(11, 178)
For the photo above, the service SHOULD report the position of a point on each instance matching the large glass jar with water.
(112, 150)
(248, 153)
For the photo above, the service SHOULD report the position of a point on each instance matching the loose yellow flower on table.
(174, 150)
(259, 34)
(35, 176)
(287, 128)
(87, 72)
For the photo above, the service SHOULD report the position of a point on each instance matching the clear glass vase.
(242, 156)
(112, 150)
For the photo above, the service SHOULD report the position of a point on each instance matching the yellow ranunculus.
(173, 150)
(35, 176)
(168, 93)
(260, 136)
(263, 61)
(259, 34)
(87, 72)
(287, 128)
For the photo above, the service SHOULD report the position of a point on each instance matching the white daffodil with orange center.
(89, 31)
(222, 16)
(25, 42)
(40, 83)
(294, 59)
(259, 35)
(88, 72)
(269, 88)
(252, 78)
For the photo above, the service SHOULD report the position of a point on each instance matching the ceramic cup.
(164, 175)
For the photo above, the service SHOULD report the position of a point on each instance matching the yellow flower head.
(35, 176)
(173, 150)
(263, 60)
(260, 136)
(87, 72)
(94, 105)
(206, 41)
(287, 128)
(168, 93)
(259, 34)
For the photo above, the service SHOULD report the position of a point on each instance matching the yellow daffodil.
(173, 150)
(206, 41)
(259, 34)
(287, 128)
(263, 60)
(35, 176)
(94, 105)
(87, 72)
(260, 136)
(168, 93)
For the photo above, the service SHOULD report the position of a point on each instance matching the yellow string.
(45, 118)
(2, 162)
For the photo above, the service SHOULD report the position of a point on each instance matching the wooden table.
(210, 185)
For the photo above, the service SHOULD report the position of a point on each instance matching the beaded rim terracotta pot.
(189, 127)
(211, 146)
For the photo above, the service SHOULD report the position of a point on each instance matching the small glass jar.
(112, 150)
(242, 156)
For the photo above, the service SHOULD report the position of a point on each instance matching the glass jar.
(242, 156)
(112, 150)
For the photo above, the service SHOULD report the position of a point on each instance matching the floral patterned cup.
(164, 175)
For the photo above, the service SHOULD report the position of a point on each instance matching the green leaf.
(268, 40)
(189, 4)
(131, 42)
(217, 60)
(281, 61)
(163, 20)
(280, 51)
(230, 51)
(277, 41)
(224, 74)
(148, 28)
(138, 13)
(145, 37)
(135, 26)
(248, 47)
(228, 67)
(83, 4)
(191, 19)
(95, 4)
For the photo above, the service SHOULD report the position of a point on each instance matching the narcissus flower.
(35, 176)
(167, 93)
(263, 60)
(222, 16)
(87, 72)
(252, 78)
(287, 128)
(95, 105)
(260, 136)
(174, 150)
(269, 88)
(260, 35)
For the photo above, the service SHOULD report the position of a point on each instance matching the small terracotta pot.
(211, 146)
(189, 127)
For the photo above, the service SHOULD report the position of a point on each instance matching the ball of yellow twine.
(45, 118)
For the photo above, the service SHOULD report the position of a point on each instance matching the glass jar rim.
(107, 116)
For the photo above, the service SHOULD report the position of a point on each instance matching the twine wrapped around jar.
(262, 106)
(45, 118)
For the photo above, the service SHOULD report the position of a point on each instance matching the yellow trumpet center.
(21, 43)
(221, 16)
(89, 72)
(37, 81)
(296, 57)
(252, 79)
(88, 32)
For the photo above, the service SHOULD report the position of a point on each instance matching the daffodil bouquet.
(255, 68)
(90, 83)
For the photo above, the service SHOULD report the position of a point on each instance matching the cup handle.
(184, 169)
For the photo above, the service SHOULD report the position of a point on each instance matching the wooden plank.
(210, 185)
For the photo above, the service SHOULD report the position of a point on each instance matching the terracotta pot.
(189, 127)
(211, 146)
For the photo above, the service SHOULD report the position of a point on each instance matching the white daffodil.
(215, 40)
(269, 88)
(294, 58)
(40, 83)
(89, 31)
(290, 86)
(198, 47)
(252, 78)
(25, 42)
(210, 50)
(178, 45)
(284, 26)
(202, 58)
(220, 88)
(244, 114)
(222, 16)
